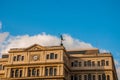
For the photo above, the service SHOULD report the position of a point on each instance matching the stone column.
(58, 70)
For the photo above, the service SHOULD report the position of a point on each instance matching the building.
(55, 63)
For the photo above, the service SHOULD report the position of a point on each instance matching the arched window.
(94, 77)
(102, 62)
(103, 77)
(47, 56)
(85, 77)
(14, 58)
(12, 73)
(108, 77)
(99, 77)
(51, 55)
(89, 77)
(22, 58)
(38, 72)
(20, 73)
(51, 71)
(55, 71)
(29, 72)
(33, 72)
(89, 62)
(16, 73)
(107, 63)
(46, 71)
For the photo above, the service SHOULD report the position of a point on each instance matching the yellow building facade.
(55, 63)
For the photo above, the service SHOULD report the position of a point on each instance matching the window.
(47, 57)
(107, 63)
(38, 72)
(94, 77)
(16, 73)
(98, 63)
(18, 57)
(85, 77)
(51, 71)
(55, 56)
(29, 72)
(85, 63)
(46, 72)
(72, 78)
(89, 62)
(75, 63)
(72, 64)
(102, 62)
(99, 77)
(12, 73)
(89, 77)
(80, 64)
(33, 72)
(108, 77)
(55, 71)
(20, 73)
(51, 55)
(22, 58)
(93, 63)
(14, 58)
(103, 77)
(80, 77)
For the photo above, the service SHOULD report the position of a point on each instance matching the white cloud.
(104, 51)
(44, 40)
(0, 24)
(117, 64)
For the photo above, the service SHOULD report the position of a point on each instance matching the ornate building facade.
(55, 63)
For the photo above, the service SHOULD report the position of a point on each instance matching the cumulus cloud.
(44, 40)
(0, 24)
(117, 64)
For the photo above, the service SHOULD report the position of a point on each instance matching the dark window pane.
(55, 72)
(22, 58)
(108, 77)
(107, 63)
(102, 62)
(55, 56)
(98, 63)
(99, 77)
(51, 55)
(51, 72)
(20, 73)
(47, 57)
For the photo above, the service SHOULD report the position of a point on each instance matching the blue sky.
(93, 21)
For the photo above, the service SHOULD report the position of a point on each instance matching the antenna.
(61, 38)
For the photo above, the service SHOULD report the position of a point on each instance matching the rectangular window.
(47, 56)
(14, 58)
(107, 63)
(80, 64)
(22, 58)
(94, 77)
(72, 64)
(93, 63)
(89, 62)
(18, 57)
(80, 77)
(85, 63)
(102, 62)
(20, 73)
(85, 77)
(46, 71)
(98, 63)
(51, 71)
(55, 56)
(51, 55)
(55, 71)
(75, 63)
(99, 77)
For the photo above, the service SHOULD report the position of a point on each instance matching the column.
(26, 71)
(58, 70)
